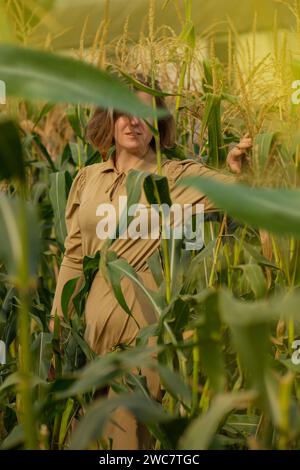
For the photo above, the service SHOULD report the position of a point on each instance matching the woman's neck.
(125, 160)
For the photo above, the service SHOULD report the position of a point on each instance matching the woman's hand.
(238, 153)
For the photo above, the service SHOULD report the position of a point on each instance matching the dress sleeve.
(71, 265)
(178, 169)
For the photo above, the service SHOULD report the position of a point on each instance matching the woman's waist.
(138, 269)
(135, 252)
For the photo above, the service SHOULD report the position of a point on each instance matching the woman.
(107, 324)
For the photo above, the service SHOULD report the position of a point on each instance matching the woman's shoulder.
(82, 176)
(88, 171)
(175, 167)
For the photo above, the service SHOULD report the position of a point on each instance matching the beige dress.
(107, 324)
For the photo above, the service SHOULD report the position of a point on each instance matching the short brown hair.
(100, 128)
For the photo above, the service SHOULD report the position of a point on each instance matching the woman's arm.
(178, 169)
(71, 265)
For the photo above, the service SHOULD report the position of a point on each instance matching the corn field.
(228, 315)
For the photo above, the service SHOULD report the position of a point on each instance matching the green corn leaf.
(58, 199)
(276, 210)
(263, 144)
(92, 425)
(12, 163)
(39, 75)
(201, 431)
(255, 277)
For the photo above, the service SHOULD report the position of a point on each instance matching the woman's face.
(132, 133)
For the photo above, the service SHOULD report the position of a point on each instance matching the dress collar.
(146, 163)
